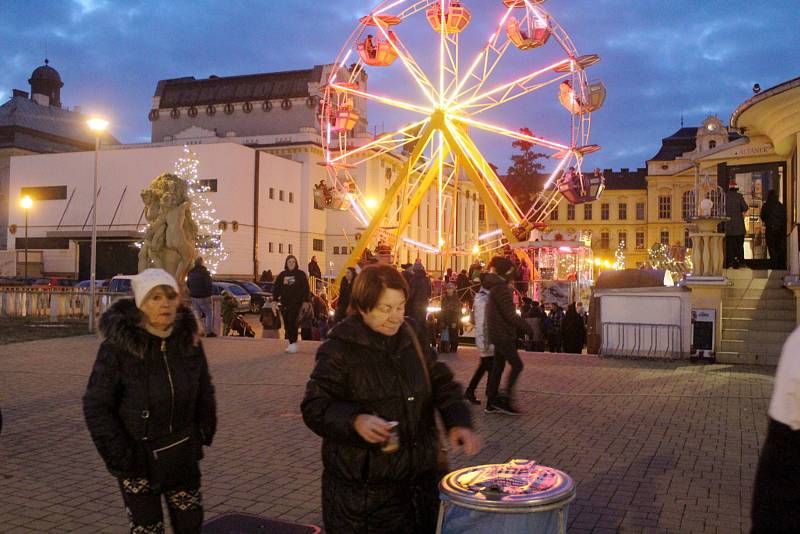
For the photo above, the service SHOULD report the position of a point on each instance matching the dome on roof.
(45, 73)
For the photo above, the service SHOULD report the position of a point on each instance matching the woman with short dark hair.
(372, 397)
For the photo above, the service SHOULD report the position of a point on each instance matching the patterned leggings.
(144, 508)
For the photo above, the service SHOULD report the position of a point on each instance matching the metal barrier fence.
(663, 341)
(53, 305)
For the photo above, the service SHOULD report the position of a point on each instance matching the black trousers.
(776, 245)
(485, 367)
(290, 323)
(734, 250)
(776, 499)
(144, 508)
(503, 353)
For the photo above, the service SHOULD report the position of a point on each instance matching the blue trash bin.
(513, 498)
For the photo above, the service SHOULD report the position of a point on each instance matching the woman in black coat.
(150, 390)
(344, 295)
(573, 331)
(369, 377)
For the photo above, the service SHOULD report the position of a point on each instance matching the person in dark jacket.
(313, 268)
(773, 213)
(554, 324)
(200, 289)
(462, 287)
(150, 388)
(451, 316)
(735, 208)
(419, 296)
(266, 276)
(343, 303)
(504, 325)
(290, 291)
(573, 331)
(372, 396)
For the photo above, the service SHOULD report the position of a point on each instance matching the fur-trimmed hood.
(121, 325)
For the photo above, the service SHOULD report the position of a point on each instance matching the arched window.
(686, 205)
(712, 144)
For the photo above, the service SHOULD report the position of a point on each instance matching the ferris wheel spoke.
(383, 144)
(394, 102)
(533, 139)
(410, 64)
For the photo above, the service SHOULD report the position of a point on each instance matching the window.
(640, 209)
(271, 193)
(280, 248)
(604, 240)
(622, 239)
(290, 248)
(208, 186)
(318, 245)
(481, 213)
(570, 212)
(554, 214)
(639, 240)
(664, 207)
(291, 197)
(622, 211)
(687, 241)
(587, 212)
(270, 248)
(56, 192)
(336, 250)
(664, 237)
(686, 205)
(712, 144)
(604, 211)
(280, 195)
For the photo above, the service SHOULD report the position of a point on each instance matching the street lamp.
(27, 204)
(98, 126)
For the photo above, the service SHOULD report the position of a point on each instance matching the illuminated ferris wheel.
(450, 74)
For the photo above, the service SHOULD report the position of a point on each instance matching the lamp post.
(27, 204)
(98, 126)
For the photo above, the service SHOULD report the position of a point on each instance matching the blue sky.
(660, 58)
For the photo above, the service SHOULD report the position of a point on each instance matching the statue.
(169, 243)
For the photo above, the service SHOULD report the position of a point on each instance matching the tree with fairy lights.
(209, 235)
(619, 256)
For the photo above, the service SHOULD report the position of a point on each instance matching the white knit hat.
(146, 280)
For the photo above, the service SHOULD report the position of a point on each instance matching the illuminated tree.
(619, 256)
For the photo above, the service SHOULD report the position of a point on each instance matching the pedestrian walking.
(200, 287)
(344, 295)
(582, 312)
(776, 499)
(270, 322)
(773, 214)
(504, 326)
(462, 287)
(554, 334)
(735, 208)
(450, 315)
(313, 269)
(291, 290)
(150, 406)
(485, 349)
(419, 298)
(573, 331)
(372, 396)
(534, 316)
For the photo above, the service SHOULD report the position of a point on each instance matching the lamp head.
(97, 124)
(27, 202)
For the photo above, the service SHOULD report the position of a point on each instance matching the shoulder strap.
(420, 354)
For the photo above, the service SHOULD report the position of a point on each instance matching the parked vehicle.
(242, 297)
(85, 284)
(257, 295)
(53, 283)
(120, 284)
(267, 287)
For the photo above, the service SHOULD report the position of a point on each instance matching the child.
(270, 321)
(306, 320)
(229, 306)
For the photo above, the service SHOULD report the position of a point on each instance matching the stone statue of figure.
(170, 239)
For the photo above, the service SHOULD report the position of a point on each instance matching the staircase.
(758, 314)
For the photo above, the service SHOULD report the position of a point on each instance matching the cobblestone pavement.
(653, 447)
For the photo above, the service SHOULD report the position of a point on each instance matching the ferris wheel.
(451, 72)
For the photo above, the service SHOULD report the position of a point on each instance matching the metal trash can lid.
(508, 487)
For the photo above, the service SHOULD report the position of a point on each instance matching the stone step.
(757, 336)
(767, 313)
(761, 304)
(759, 324)
(760, 348)
(777, 293)
(756, 283)
(745, 358)
(750, 274)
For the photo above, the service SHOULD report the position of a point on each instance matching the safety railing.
(53, 305)
(642, 340)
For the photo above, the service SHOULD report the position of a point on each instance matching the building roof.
(682, 141)
(625, 179)
(21, 112)
(46, 72)
(763, 95)
(188, 91)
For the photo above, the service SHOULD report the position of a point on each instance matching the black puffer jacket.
(198, 280)
(503, 322)
(181, 395)
(361, 372)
